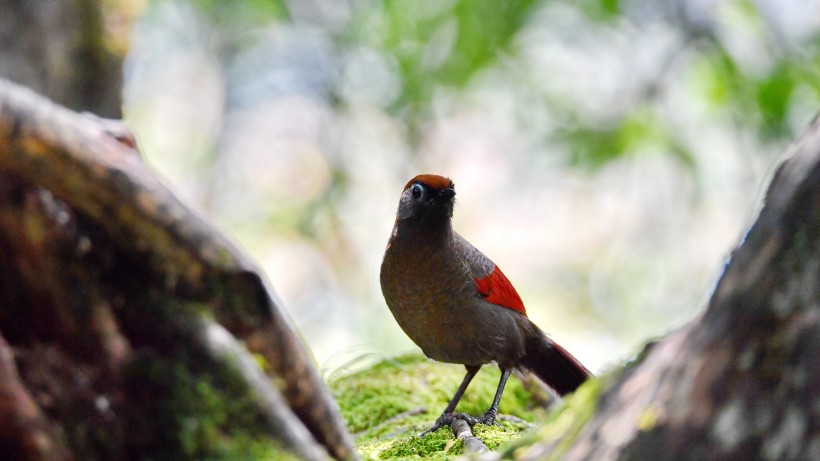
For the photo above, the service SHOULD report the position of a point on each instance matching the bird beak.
(445, 195)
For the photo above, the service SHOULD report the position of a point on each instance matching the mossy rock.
(389, 404)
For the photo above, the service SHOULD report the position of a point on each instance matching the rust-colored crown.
(433, 181)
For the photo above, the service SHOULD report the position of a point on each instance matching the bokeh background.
(608, 154)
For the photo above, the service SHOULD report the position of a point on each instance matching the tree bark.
(111, 287)
(109, 280)
(742, 381)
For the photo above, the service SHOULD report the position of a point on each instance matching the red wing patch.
(497, 289)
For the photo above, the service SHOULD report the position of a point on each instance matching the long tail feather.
(553, 364)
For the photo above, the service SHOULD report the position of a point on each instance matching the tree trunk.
(118, 303)
(741, 382)
(61, 49)
(111, 294)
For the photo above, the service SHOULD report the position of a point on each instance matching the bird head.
(427, 197)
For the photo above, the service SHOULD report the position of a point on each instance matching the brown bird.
(457, 305)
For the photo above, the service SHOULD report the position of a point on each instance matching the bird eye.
(416, 191)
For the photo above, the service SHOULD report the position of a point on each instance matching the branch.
(471, 443)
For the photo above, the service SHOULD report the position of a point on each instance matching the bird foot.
(446, 419)
(488, 418)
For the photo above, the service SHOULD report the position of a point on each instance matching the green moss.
(187, 415)
(440, 445)
(431, 446)
(185, 405)
(563, 425)
(390, 403)
(242, 448)
(495, 437)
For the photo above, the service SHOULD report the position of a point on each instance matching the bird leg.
(447, 415)
(489, 416)
(487, 419)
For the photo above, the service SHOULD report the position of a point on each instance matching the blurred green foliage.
(606, 135)
(241, 13)
(438, 43)
(592, 147)
(444, 44)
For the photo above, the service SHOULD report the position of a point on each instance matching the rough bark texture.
(110, 292)
(741, 382)
(113, 294)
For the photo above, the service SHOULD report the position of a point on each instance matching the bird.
(457, 305)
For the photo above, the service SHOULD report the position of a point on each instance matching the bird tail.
(553, 364)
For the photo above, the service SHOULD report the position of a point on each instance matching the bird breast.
(432, 295)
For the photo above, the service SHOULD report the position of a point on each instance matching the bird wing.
(491, 283)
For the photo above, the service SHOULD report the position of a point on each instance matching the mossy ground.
(387, 405)
(186, 414)
(562, 425)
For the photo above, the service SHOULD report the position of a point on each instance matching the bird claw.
(488, 418)
(446, 419)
